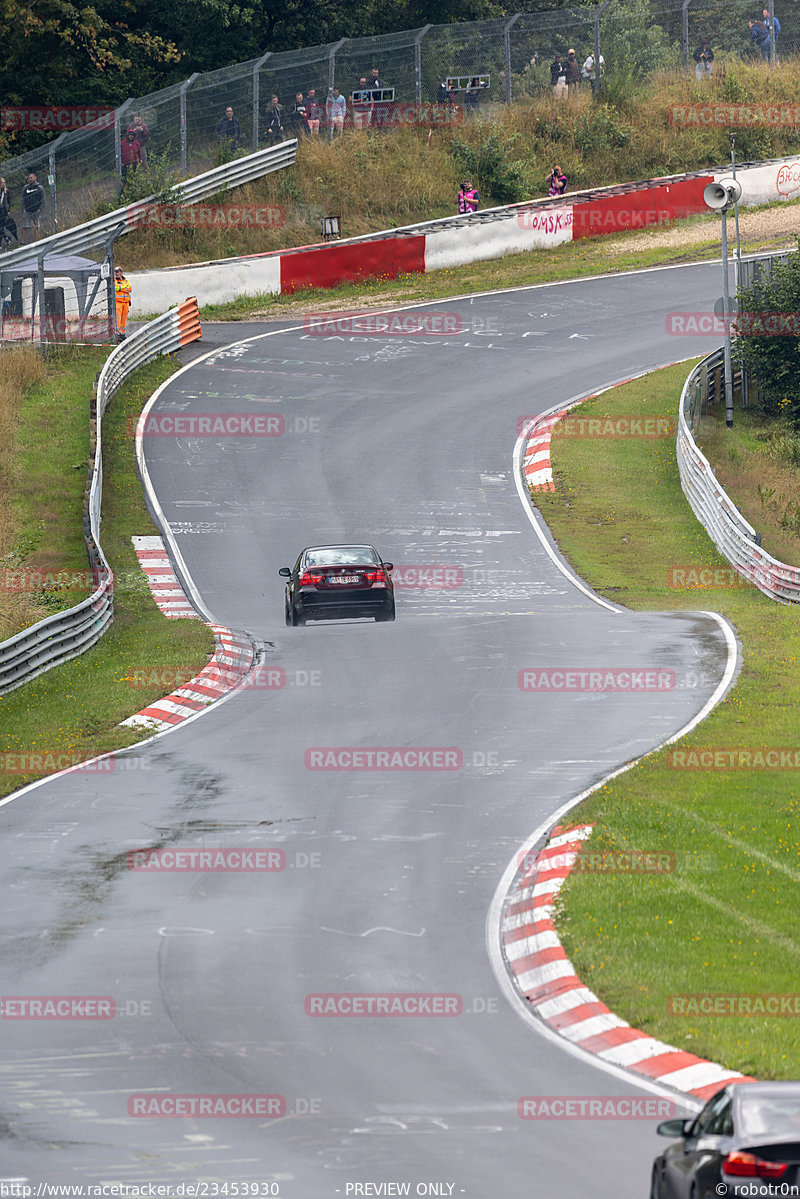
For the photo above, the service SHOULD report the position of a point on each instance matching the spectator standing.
(759, 34)
(777, 28)
(130, 154)
(122, 298)
(443, 92)
(467, 197)
(558, 78)
(588, 71)
(141, 133)
(297, 116)
(703, 56)
(335, 112)
(7, 224)
(375, 80)
(556, 181)
(275, 127)
(32, 203)
(362, 108)
(313, 112)
(229, 130)
(472, 96)
(573, 73)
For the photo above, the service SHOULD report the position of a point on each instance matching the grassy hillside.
(377, 180)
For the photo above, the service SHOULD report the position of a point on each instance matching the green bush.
(774, 360)
(491, 168)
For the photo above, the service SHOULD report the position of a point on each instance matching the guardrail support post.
(685, 31)
(507, 46)
(257, 95)
(418, 62)
(331, 60)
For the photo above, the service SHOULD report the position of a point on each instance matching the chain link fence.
(483, 64)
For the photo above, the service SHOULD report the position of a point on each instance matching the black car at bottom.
(337, 581)
(745, 1141)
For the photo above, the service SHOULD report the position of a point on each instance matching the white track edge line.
(494, 915)
(495, 912)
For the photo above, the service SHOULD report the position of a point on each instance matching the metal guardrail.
(733, 536)
(124, 220)
(65, 635)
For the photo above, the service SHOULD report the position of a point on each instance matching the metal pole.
(257, 95)
(331, 60)
(51, 179)
(738, 262)
(598, 72)
(685, 31)
(118, 115)
(773, 57)
(40, 289)
(418, 61)
(184, 89)
(507, 43)
(726, 308)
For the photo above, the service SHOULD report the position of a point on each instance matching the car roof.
(342, 545)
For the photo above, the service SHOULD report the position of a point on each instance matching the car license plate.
(343, 579)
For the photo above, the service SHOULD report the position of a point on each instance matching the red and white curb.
(233, 658)
(161, 577)
(545, 977)
(536, 465)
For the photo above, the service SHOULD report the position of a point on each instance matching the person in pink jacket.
(467, 197)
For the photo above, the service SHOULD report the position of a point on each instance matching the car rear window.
(342, 555)
(770, 1115)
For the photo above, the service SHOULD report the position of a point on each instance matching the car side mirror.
(285, 571)
(675, 1128)
(388, 566)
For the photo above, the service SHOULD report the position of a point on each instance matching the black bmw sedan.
(337, 581)
(745, 1141)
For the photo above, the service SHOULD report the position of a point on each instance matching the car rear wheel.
(655, 1189)
(386, 614)
(292, 617)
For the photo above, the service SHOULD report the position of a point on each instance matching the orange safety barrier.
(189, 321)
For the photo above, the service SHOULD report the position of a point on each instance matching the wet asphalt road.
(405, 442)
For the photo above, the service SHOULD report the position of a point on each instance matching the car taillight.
(747, 1165)
(306, 579)
(375, 576)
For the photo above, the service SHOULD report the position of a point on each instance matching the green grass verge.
(73, 711)
(725, 920)
(52, 457)
(764, 485)
(573, 260)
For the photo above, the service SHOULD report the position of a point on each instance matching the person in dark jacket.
(558, 78)
(229, 130)
(32, 202)
(703, 56)
(297, 117)
(8, 227)
(759, 34)
(573, 73)
(275, 126)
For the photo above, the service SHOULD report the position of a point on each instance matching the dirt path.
(780, 223)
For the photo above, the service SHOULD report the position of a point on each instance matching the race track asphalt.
(405, 442)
